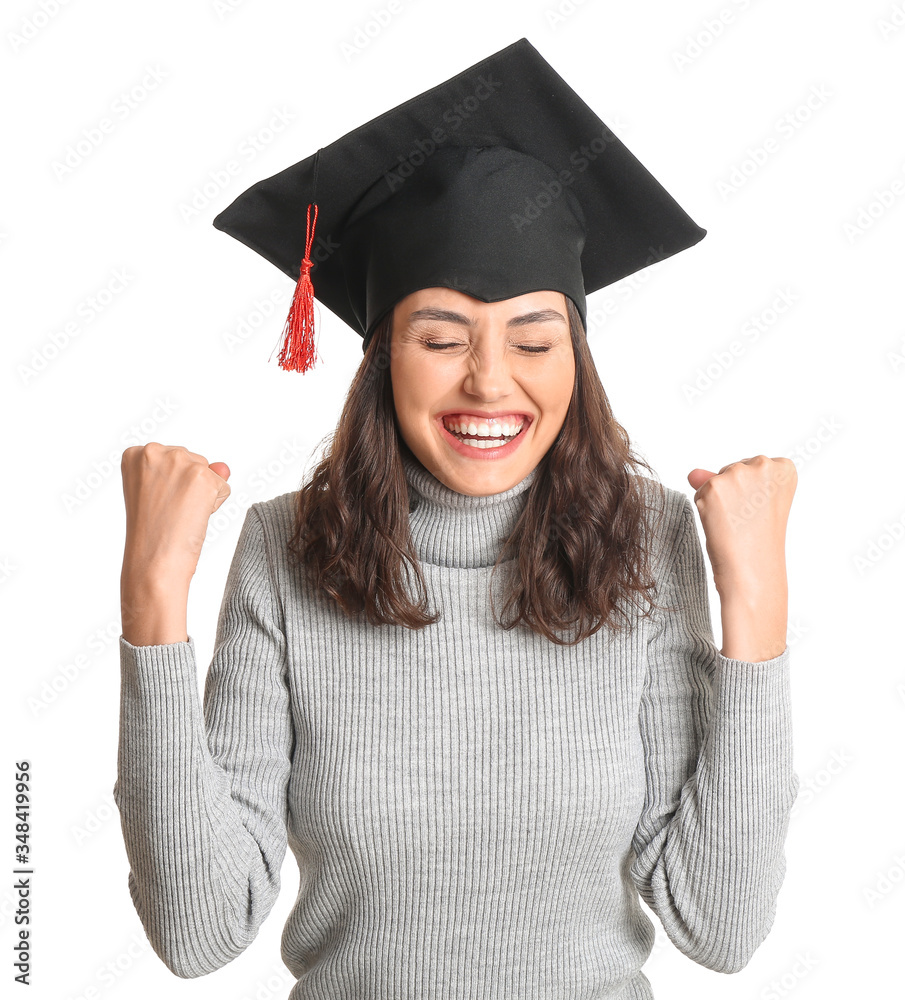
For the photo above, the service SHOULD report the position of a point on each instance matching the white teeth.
(479, 443)
(501, 433)
(507, 428)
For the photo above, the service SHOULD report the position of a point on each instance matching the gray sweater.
(474, 812)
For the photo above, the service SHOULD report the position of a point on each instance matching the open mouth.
(483, 435)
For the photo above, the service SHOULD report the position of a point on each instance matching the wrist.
(154, 609)
(754, 622)
(158, 577)
(747, 583)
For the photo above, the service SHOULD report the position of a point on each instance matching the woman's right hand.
(170, 494)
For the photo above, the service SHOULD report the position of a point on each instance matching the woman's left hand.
(744, 510)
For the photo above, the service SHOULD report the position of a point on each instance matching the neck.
(455, 529)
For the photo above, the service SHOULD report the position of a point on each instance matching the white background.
(822, 383)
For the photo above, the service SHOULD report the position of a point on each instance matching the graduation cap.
(498, 182)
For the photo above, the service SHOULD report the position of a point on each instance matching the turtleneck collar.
(455, 529)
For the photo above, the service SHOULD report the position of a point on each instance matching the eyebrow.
(448, 316)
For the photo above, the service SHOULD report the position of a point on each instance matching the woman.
(476, 798)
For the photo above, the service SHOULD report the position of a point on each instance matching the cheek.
(414, 393)
(557, 396)
(566, 385)
(423, 386)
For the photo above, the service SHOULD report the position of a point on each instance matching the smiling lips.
(483, 433)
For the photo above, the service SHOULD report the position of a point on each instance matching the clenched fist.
(170, 494)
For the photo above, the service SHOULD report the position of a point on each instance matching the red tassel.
(298, 352)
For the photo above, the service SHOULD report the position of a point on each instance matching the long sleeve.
(202, 791)
(717, 737)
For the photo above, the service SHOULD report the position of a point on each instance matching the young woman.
(466, 672)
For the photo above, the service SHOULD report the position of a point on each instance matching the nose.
(489, 374)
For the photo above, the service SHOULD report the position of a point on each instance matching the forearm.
(204, 866)
(724, 863)
(754, 614)
(710, 859)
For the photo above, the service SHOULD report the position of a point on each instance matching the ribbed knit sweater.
(475, 812)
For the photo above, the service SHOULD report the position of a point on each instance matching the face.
(496, 367)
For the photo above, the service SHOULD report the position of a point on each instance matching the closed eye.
(531, 349)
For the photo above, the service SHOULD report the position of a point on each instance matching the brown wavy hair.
(581, 540)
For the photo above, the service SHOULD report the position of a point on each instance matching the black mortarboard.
(498, 182)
